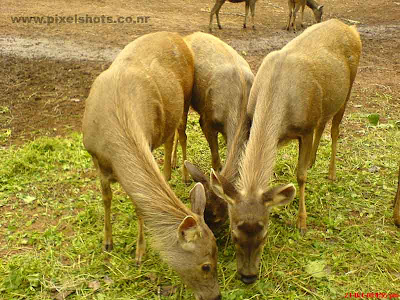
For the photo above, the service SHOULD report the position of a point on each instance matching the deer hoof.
(219, 26)
(332, 176)
(108, 247)
(138, 261)
(301, 225)
(244, 26)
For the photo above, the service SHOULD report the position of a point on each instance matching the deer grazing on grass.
(222, 84)
(295, 5)
(134, 107)
(295, 92)
(218, 4)
(396, 211)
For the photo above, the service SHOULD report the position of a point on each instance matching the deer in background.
(317, 10)
(222, 83)
(295, 5)
(396, 211)
(134, 107)
(295, 92)
(218, 4)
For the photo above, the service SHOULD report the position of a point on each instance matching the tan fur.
(396, 211)
(134, 107)
(297, 90)
(250, 4)
(222, 84)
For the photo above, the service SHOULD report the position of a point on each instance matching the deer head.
(216, 210)
(194, 257)
(249, 217)
(318, 13)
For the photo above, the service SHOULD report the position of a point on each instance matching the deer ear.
(222, 187)
(187, 232)
(279, 195)
(198, 199)
(197, 175)
(320, 7)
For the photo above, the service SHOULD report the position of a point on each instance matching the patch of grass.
(51, 224)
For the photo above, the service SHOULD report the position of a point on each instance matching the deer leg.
(317, 138)
(106, 192)
(212, 139)
(335, 135)
(296, 9)
(302, 14)
(215, 10)
(217, 14)
(253, 12)
(183, 142)
(305, 145)
(396, 211)
(246, 13)
(290, 14)
(167, 157)
(174, 150)
(290, 18)
(141, 242)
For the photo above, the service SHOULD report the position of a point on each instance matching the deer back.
(303, 91)
(154, 88)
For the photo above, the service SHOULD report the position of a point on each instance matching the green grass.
(51, 225)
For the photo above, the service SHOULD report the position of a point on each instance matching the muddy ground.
(46, 69)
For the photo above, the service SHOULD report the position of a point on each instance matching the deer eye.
(206, 268)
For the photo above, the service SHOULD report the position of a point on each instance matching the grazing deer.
(295, 92)
(222, 83)
(218, 4)
(134, 107)
(396, 212)
(317, 10)
(295, 5)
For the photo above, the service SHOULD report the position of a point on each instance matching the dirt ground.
(46, 70)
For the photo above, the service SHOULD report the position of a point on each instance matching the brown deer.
(396, 211)
(218, 4)
(222, 84)
(134, 107)
(295, 5)
(295, 92)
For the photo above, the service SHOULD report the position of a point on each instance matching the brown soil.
(46, 70)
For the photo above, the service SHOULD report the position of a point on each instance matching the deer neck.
(312, 4)
(138, 173)
(258, 161)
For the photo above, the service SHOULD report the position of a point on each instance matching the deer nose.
(248, 279)
(219, 297)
